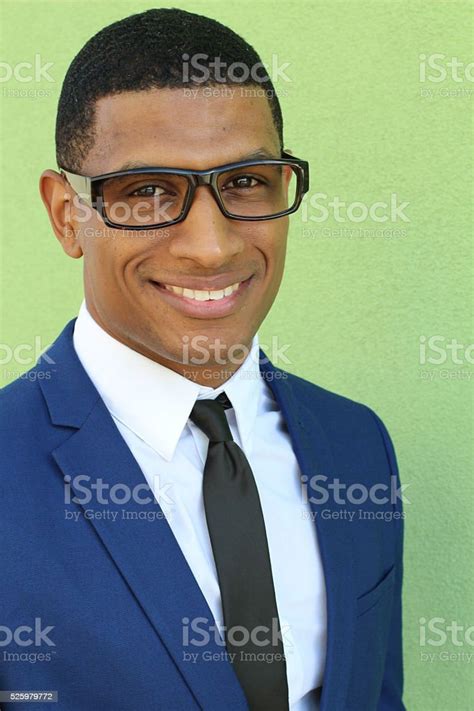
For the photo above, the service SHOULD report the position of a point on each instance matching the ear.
(57, 196)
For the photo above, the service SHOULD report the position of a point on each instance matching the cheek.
(281, 248)
(106, 251)
(271, 244)
(275, 250)
(269, 238)
(107, 256)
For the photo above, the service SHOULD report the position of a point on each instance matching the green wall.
(357, 306)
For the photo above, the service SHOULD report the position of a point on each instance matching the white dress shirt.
(150, 405)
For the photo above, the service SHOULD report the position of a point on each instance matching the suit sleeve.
(392, 686)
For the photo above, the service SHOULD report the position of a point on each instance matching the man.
(250, 578)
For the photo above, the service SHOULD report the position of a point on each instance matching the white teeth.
(175, 289)
(203, 294)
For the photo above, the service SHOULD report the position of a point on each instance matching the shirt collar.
(154, 401)
(244, 390)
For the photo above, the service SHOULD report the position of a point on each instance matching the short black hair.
(144, 51)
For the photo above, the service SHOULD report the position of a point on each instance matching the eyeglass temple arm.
(80, 184)
(289, 156)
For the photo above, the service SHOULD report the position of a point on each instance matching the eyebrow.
(258, 154)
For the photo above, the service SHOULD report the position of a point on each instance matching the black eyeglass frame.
(90, 189)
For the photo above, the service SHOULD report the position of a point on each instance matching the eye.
(244, 182)
(148, 191)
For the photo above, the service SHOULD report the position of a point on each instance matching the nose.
(206, 236)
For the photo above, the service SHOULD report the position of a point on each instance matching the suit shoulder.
(341, 416)
(20, 403)
(316, 396)
(22, 388)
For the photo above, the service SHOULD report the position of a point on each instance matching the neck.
(211, 374)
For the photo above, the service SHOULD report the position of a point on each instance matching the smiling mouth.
(202, 294)
(205, 303)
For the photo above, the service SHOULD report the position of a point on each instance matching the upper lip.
(214, 283)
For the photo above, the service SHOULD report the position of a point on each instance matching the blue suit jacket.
(115, 592)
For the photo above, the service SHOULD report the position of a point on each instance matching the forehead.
(193, 128)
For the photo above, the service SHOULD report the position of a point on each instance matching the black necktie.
(239, 544)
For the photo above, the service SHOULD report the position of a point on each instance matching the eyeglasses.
(154, 197)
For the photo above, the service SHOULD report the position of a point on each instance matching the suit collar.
(69, 393)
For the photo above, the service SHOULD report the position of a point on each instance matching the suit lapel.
(314, 456)
(146, 553)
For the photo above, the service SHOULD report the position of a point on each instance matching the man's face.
(124, 273)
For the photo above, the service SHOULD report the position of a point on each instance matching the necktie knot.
(210, 417)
